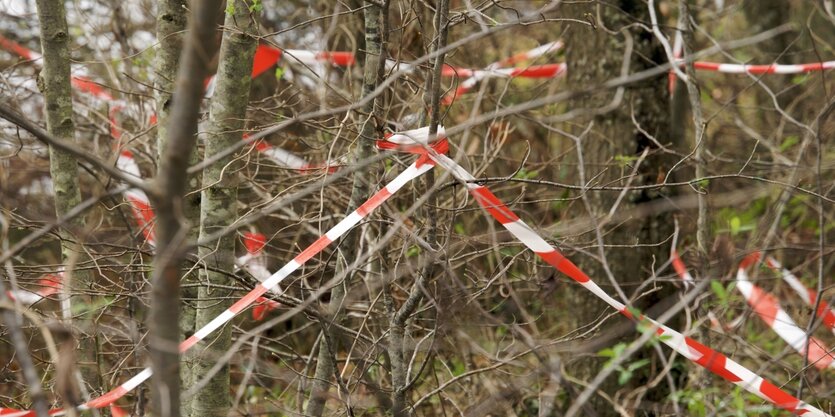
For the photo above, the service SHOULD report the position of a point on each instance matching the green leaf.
(735, 225)
(719, 290)
(625, 160)
(788, 142)
(525, 174)
(279, 72)
(637, 364)
(459, 228)
(624, 377)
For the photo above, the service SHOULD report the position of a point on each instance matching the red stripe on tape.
(750, 260)
(313, 249)
(108, 398)
(764, 304)
(90, 87)
(712, 360)
(781, 398)
(248, 299)
(265, 57)
(450, 71)
(819, 354)
(557, 260)
(117, 411)
(710, 66)
(16, 48)
(188, 343)
(538, 71)
(497, 209)
(342, 59)
(254, 242)
(373, 202)
(678, 265)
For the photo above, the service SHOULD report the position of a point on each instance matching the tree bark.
(227, 115)
(397, 349)
(610, 149)
(360, 191)
(171, 25)
(55, 83)
(168, 201)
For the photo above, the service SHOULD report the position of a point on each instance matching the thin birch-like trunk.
(397, 349)
(168, 201)
(372, 75)
(171, 25)
(227, 114)
(55, 83)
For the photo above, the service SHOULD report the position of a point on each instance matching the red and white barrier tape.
(688, 280)
(530, 55)
(286, 159)
(681, 270)
(265, 57)
(696, 352)
(49, 285)
(768, 309)
(140, 205)
(689, 348)
(253, 262)
(808, 295)
(678, 48)
(763, 69)
(415, 170)
(534, 71)
(539, 71)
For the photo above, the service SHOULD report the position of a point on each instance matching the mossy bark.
(596, 56)
(168, 198)
(55, 83)
(171, 25)
(218, 210)
(372, 74)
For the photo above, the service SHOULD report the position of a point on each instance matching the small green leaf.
(735, 225)
(788, 142)
(624, 377)
(279, 72)
(719, 290)
(637, 364)
(459, 228)
(625, 160)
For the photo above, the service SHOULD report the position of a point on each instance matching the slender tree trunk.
(372, 75)
(397, 349)
(227, 117)
(171, 25)
(168, 201)
(54, 82)
(610, 150)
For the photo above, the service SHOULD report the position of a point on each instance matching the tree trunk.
(168, 201)
(227, 115)
(55, 83)
(372, 75)
(610, 150)
(397, 349)
(171, 24)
